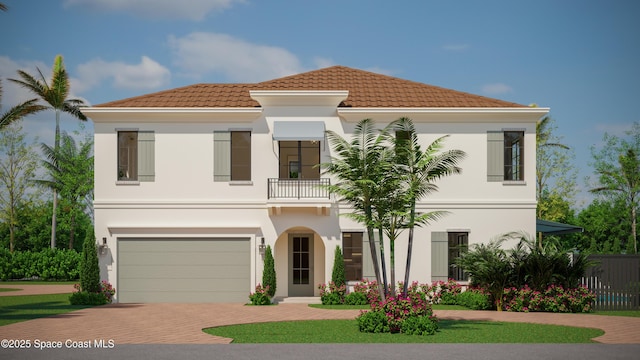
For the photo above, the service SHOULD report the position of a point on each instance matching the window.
(513, 155)
(299, 159)
(505, 155)
(136, 156)
(301, 260)
(232, 156)
(352, 255)
(458, 243)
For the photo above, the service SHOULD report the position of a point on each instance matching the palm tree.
(356, 165)
(55, 94)
(420, 169)
(544, 140)
(71, 175)
(19, 111)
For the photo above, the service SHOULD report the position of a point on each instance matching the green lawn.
(27, 307)
(451, 331)
(38, 282)
(631, 313)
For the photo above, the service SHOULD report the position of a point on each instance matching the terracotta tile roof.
(366, 89)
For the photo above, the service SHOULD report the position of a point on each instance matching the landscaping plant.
(337, 275)
(260, 296)
(269, 272)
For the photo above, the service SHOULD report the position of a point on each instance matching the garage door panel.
(184, 270)
(155, 258)
(191, 297)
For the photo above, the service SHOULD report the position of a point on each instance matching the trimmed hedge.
(48, 264)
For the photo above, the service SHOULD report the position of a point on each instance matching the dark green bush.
(87, 298)
(474, 299)
(356, 298)
(337, 275)
(48, 264)
(89, 269)
(332, 294)
(419, 325)
(269, 272)
(373, 322)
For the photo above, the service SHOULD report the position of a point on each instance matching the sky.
(580, 58)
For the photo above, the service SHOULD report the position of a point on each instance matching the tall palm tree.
(70, 169)
(55, 93)
(355, 166)
(19, 111)
(420, 169)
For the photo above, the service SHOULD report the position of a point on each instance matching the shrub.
(87, 298)
(269, 272)
(441, 292)
(101, 297)
(89, 269)
(332, 294)
(474, 299)
(356, 298)
(369, 288)
(261, 296)
(393, 312)
(553, 299)
(419, 325)
(337, 275)
(373, 322)
(48, 264)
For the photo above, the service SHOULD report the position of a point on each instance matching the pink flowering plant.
(409, 315)
(101, 297)
(332, 294)
(554, 299)
(260, 296)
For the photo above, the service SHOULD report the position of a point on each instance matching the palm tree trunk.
(392, 261)
(408, 267)
(383, 261)
(55, 192)
(374, 254)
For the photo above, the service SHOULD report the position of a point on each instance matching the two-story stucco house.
(192, 183)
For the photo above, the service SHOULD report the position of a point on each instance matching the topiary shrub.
(89, 269)
(337, 275)
(269, 272)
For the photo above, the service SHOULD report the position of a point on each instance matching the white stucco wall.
(185, 201)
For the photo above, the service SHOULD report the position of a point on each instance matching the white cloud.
(146, 75)
(496, 89)
(455, 47)
(199, 54)
(166, 9)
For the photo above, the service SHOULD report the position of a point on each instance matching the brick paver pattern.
(183, 323)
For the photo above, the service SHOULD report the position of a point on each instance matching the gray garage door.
(183, 270)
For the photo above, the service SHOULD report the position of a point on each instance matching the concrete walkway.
(183, 323)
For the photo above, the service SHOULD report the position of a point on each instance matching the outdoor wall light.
(261, 247)
(103, 247)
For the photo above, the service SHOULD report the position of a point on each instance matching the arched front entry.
(300, 262)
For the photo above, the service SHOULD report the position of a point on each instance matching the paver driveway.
(183, 323)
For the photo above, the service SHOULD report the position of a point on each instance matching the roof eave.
(436, 114)
(164, 114)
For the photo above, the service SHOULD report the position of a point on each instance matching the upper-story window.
(514, 155)
(299, 159)
(136, 156)
(505, 155)
(232, 156)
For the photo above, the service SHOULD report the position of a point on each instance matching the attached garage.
(183, 270)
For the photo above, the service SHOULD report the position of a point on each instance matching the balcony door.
(299, 159)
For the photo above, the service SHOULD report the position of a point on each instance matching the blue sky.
(580, 58)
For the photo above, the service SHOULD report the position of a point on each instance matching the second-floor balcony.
(298, 188)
